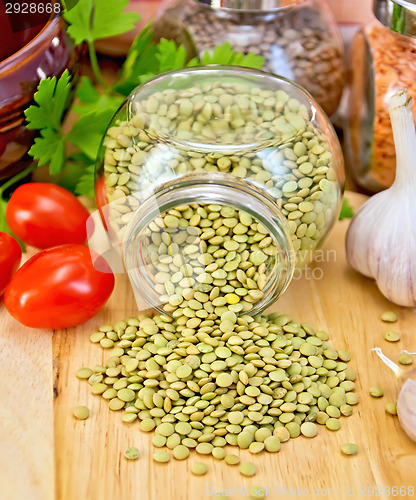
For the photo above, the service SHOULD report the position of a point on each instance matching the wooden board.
(46, 454)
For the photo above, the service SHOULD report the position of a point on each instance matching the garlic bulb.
(381, 240)
(406, 400)
(406, 408)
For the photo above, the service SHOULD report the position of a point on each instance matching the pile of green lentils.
(249, 381)
(202, 270)
(207, 374)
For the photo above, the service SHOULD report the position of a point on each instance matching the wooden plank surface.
(27, 446)
(88, 455)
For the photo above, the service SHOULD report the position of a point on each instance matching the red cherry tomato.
(44, 215)
(10, 257)
(58, 288)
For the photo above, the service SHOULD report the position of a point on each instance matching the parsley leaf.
(86, 183)
(51, 99)
(49, 148)
(92, 100)
(170, 56)
(88, 131)
(225, 54)
(91, 20)
(3, 224)
(141, 62)
(347, 212)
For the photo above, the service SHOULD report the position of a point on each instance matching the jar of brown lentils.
(298, 39)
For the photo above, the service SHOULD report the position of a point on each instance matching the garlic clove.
(361, 236)
(406, 408)
(381, 239)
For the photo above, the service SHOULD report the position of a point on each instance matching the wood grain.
(26, 412)
(88, 455)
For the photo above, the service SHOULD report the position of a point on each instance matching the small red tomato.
(44, 215)
(59, 288)
(10, 257)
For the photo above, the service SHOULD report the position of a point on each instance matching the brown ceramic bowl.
(48, 52)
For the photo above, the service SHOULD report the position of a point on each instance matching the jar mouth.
(221, 189)
(229, 140)
(251, 5)
(397, 15)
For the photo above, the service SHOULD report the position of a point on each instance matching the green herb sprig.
(89, 21)
(347, 211)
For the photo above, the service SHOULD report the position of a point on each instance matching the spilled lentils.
(251, 382)
(271, 142)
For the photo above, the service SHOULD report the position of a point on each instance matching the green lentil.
(232, 459)
(199, 468)
(131, 453)
(391, 408)
(392, 336)
(405, 359)
(346, 410)
(272, 444)
(204, 448)
(81, 412)
(218, 453)
(309, 429)
(351, 398)
(161, 456)
(224, 380)
(181, 452)
(84, 373)
(376, 392)
(147, 425)
(97, 336)
(256, 447)
(159, 441)
(389, 317)
(349, 449)
(166, 429)
(282, 434)
(333, 424)
(247, 469)
(294, 429)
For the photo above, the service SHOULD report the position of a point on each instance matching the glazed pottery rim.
(49, 26)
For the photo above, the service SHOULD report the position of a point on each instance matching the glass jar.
(298, 39)
(383, 60)
(218, 180)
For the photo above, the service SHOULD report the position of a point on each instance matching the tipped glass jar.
(217, 181)
(299, 39)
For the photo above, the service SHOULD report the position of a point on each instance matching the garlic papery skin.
(406, 400)
(381, 239)
(406, 408)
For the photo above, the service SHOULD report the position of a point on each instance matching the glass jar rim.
(221, 189)
(252, 5)
(49, 28)
(397, 15)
